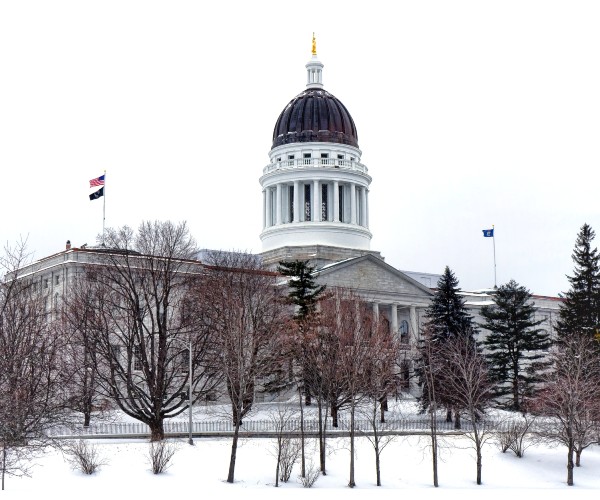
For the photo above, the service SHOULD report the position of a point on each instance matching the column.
(414, 333)
(363, 206)
(316, 201)
(296, 201)
(352, 203)
(394, 315)
(279, 205)
(376, 311)
(367, 207)
(269, 208)
(264, 208)
(336, 202)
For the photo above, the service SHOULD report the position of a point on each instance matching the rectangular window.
(290, 157)
(137, 355)
(45, 282)
(56, 279)
(324, 202)
(341, 203)
(324, 155)
(340, 157)
(307, 155)
(307, 212)
(291, 203)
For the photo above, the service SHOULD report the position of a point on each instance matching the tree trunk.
(322, 423)
(578, 452)
(334, 416)
(236, 433)
(157, 432)
(434, 444)
(302, 455)
(570, 463)
(278, 461)
(457, 420)
(449, 415)
(86, 418)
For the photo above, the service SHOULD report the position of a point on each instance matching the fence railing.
(264, 427)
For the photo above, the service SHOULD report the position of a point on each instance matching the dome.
(315, 115)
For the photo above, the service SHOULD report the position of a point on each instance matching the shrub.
(160, 454)
(83, 456)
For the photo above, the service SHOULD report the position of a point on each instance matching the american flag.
(98, 181)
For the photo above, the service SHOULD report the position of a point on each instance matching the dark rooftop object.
(315, 115)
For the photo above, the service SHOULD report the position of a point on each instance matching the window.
(307, 155)
(279, 159)
(290, 157)
(56, 279)
(341, 203)
(403, 331)
(324, 202)
(340, 157)
(307, 212)
(291, 202)
(137, 355)
(45, 282)
(324, 155)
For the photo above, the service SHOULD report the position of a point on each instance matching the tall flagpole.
(104, 209)
(494, 241)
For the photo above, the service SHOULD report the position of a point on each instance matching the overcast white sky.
(469, 113)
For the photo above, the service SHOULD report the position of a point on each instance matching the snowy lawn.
(200, 471)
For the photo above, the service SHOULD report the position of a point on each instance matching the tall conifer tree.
(447, 315)
(304, 293)
(516, 349)
(580, 311)
(447, 319)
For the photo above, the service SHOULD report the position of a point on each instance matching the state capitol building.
(315, 192)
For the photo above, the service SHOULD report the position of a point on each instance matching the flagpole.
(104, 209)
(494, 241)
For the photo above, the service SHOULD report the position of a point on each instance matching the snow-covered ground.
(200, 471)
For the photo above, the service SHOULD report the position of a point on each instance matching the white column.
(352, 203)
(376, 311)
(363, 206)
(394, 311)
(264, 208)
(296, 201)
(316, 198)
(414, 333)
(367, 207)
(269, 211)
(279, 205)
(336, 202)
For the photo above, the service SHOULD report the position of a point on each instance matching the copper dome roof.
(315, 115)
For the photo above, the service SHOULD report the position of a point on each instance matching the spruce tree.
(447, 315)
(516, 349)
(447, 319)
(580, 311)
(304, 293)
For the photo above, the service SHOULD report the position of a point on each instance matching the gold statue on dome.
(314, 45)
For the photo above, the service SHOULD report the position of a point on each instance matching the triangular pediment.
(372, 277)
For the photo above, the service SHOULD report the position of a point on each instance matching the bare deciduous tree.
(467, 385)
(245, 313)
(146, 321)
(32, 378)
(570, 397)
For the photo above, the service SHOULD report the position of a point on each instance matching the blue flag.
(488, 233)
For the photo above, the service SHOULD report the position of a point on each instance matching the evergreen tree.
(516, 349)
(580, 311)
(304, 293)
(447, 315)
(448, 319)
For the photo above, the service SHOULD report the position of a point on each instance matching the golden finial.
(314, 45)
